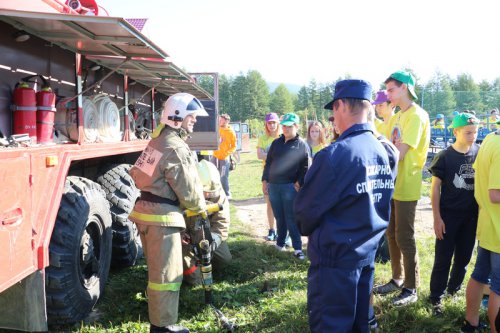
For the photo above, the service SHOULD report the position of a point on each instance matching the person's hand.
(297, 186)
(439, 228)
(265, 188)
(185, 238)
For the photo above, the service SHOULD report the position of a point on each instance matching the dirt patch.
(252, 213)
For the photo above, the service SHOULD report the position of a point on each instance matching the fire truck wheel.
(80, 252)
(121, 193)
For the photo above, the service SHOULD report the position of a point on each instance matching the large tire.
(80, 252)
(121, 193)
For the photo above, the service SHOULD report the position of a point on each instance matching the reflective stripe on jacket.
(167, 168)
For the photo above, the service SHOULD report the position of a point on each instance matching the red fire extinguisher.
(46, 110)
(24, 109)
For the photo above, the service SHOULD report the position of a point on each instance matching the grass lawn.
(262, 290)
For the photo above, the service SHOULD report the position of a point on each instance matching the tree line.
(247, 97)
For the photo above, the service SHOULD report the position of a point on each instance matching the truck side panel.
(16, 229)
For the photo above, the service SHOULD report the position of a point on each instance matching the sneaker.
(271, 235)
(407, 296)
(387, 288)
(280, 248)
(437, 309)
(467, 327)
(288, 242)
(299, 255)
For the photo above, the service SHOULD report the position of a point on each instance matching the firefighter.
(219, 225)
(169, 183)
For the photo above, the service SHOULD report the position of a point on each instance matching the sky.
(290, 41)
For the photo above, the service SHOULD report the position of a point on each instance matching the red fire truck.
(79, 96)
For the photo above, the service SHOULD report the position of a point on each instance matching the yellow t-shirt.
(413, 128)
(264, 142)
(384, 128)
(438, 124)
(493, 122)
(379, 124)
(487, 166)
(317, 148)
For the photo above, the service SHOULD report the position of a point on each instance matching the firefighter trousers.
(163, 251)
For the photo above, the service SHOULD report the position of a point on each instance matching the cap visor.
(411, 89)
(287, 123)
(329, 105)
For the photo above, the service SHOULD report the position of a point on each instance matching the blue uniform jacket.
(344, 205)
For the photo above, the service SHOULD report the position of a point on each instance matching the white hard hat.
(178, 106)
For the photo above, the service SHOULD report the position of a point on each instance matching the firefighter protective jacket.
(167, 168)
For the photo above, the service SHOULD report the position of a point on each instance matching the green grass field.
(262, 290)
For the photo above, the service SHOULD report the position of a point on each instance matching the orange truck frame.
(64, 207)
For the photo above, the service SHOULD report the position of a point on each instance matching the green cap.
(464, 119)
(289, 119)
(406, 78)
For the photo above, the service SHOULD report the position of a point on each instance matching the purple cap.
(381, 97)
(272, 117)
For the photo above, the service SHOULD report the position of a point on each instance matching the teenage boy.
(410, 133)
(454, 208)
(227, 146)
(487, 193)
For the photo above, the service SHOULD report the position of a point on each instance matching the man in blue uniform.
(344, 208)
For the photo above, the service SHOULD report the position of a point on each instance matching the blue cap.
(358, 89)
(440, 116)
(455, 113)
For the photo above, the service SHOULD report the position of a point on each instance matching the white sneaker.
(279, 248)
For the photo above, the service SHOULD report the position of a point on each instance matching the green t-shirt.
(411, 127)
(264, 142)
(487, 178)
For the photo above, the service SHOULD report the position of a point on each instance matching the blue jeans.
(223, 167)
(282, 197)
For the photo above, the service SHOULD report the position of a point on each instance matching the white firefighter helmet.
(178, 106)
(210, 179)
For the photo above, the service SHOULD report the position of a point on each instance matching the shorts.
(487, 264)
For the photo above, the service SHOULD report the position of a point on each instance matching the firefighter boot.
(169, 328)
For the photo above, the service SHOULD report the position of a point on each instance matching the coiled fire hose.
(90, 120)
(109, 119)
(203, 254)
